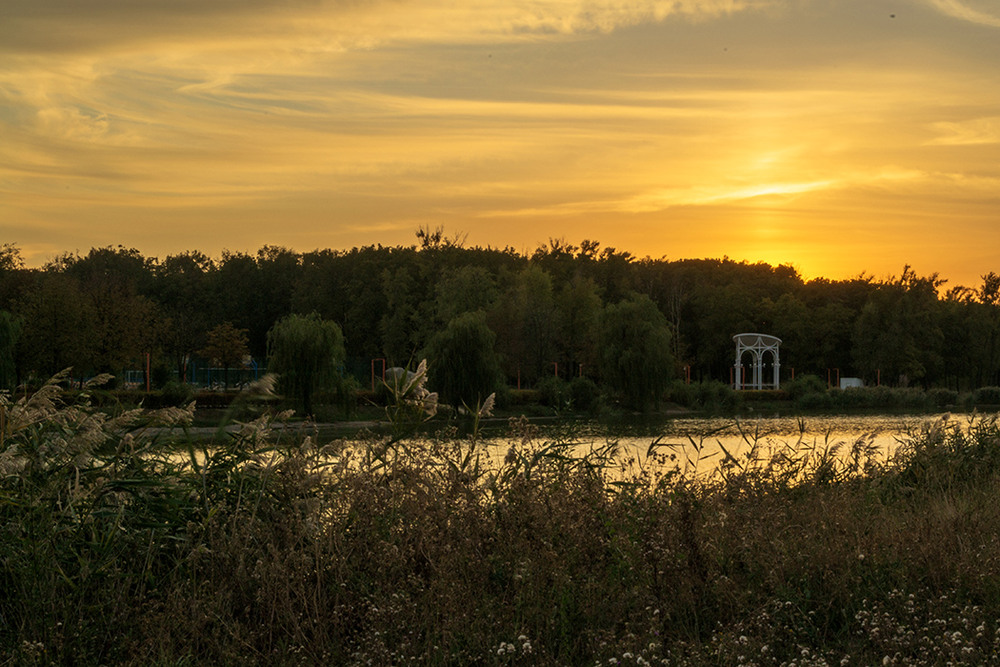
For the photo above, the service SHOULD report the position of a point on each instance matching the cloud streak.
(962, 10)
(227, 124)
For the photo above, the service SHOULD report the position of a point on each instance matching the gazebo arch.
(757, 345)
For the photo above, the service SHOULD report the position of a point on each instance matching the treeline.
(563, 309)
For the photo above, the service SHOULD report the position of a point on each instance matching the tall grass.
(264, 549)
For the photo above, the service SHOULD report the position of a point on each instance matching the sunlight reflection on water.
(699, 445)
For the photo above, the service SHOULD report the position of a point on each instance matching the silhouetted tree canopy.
(547, 311)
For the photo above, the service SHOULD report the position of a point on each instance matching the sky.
(839, 136)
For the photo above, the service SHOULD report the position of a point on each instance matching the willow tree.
(635, 351)
(464, 365)
(306, 352)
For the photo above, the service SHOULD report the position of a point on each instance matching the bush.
(176, 393)
(815, 401)
(942, 398)
(585, 394)
(682, 393)
(804, 384)
(986, 396)
(554, 392)
(715, 395)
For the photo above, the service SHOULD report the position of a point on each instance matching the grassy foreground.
(409, 551)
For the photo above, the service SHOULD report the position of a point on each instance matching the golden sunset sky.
(840, 136)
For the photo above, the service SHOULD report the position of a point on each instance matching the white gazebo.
(757, 345)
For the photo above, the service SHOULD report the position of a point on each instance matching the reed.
(266, 549)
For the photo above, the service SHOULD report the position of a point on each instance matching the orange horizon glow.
(840, 138)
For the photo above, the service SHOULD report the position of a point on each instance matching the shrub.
(804, 384)
(682, 393)
(715, 395)
(554, 392)
(942, 398)
(815, 401)
(986, 396)
(585, 394)
(176, 393)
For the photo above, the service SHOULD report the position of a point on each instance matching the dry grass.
(411, 551)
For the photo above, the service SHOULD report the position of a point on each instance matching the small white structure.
(851, 383)
(757, 345)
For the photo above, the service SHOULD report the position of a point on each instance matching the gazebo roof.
(756, 339)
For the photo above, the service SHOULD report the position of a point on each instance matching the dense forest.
(564, 309)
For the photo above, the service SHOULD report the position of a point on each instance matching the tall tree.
(578, 307)
(10, 330)
(463, 362)
(636, 359)
(226, 346)
(58, 326)
(524, 321)
(306, 352)
(898, 334)
(182, 288)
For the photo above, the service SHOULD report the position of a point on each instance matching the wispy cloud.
(966, 10)
(315, 26)
(974, 132)
(208, 122)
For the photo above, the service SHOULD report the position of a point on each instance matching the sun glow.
(831, 135)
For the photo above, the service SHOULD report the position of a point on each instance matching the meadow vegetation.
(123, 541)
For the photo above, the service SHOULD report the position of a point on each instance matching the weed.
(263, 548)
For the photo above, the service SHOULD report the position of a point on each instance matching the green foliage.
(305, 351)
(986, 396)
(554, 392)
(177, 393)
(881, 398)
(465, 365)
(585, 394)
(711, 396)
(898, 332)
(226, 346)
(635, 357)
(10, 331)
(523, 319)
(804, 385)
(941, 398)
(715, 395)
(107, 309)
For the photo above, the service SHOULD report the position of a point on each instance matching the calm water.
(699, 445)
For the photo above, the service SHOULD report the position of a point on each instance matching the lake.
(699, 445)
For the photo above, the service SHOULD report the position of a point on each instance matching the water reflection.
(700, 445)
(692, 445)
